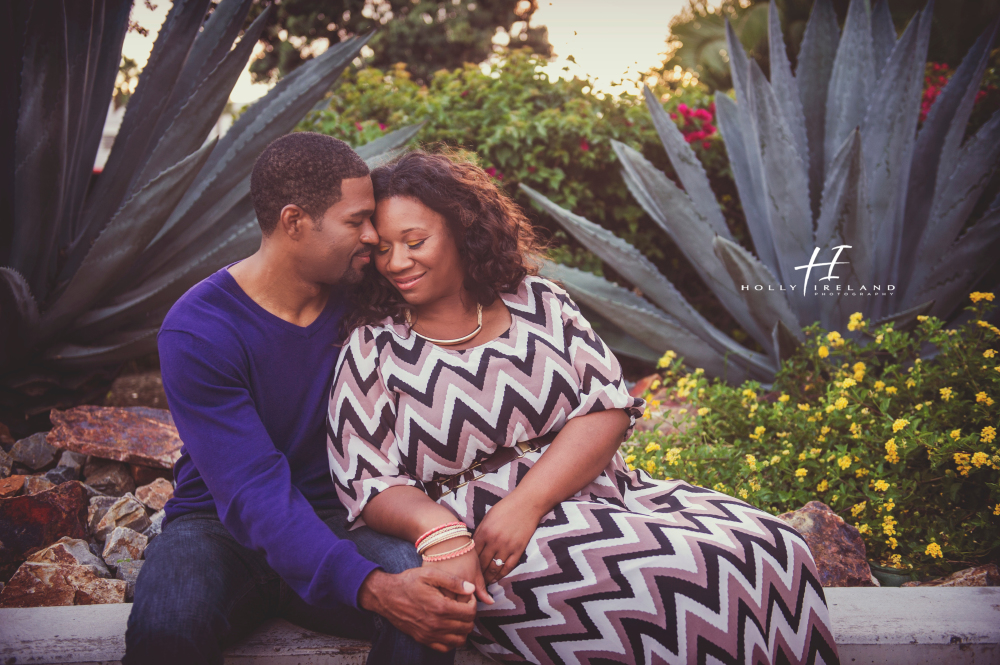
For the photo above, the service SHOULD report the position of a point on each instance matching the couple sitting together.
(391, 333)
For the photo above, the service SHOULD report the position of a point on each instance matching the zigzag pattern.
(629, 570)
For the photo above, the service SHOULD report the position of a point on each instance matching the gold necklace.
(448, 342)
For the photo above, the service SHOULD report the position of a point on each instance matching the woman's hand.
(465, 567)
(504, 534)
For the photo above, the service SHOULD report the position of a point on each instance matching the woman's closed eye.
(413, 244)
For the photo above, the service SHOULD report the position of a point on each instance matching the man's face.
(336, 248)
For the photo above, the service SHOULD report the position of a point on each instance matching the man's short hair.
(302, 168)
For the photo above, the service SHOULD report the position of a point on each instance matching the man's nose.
(369, 235)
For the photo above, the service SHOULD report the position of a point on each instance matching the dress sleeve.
(361, 438)
(599, 373)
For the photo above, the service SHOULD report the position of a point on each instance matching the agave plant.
(90, 264)
(826, 160)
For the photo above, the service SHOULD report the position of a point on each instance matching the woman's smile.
(408, 282)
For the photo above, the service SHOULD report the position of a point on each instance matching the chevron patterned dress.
(628, 570)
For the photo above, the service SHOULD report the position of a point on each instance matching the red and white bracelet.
(444, 556)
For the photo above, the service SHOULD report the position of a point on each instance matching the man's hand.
(413, 601)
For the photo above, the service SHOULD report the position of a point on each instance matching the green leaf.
(388, 143)
(786, 90)
(122, 240)
(18, 318)
(118, 348)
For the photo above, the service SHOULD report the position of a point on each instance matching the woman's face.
(416, 251)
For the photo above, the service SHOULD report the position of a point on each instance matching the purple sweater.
(248, 392)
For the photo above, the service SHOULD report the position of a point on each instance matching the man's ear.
(292, 221)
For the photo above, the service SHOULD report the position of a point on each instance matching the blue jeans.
(200, 591)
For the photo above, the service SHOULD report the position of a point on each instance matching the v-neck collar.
(333, 304)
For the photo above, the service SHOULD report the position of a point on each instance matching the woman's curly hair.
(496, 242)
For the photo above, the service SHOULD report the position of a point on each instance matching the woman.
(461, 354)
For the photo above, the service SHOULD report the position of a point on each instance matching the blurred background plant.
(903, 448)
(827, 158)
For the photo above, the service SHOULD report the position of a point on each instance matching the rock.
(72, 551)
(36, 484)
(123, 544)
(109, 477)
(125, 512)
(98, 508)
(155, 527)
(987, 575)
(137, 435)
(48, 584)
(156, 494)
(6, 440)
(30, 522)
(6, 464)
(12, 486)
(128, 572)
(62, 474)
(73, 461)
(144, 475)
(33, 452)
(836, 546)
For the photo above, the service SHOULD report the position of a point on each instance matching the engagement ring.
(498, 562)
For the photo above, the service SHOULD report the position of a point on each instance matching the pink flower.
(531, 169)
(689, 138)
(492, 171)
(706, 144)
(584, 145)
(683, 109)
(703, 114)
(711, 107)
(673, 116)
(464, 93)
(708, 129)
(381, 126)
(358, 125)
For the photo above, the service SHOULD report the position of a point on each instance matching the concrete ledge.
(915, 626)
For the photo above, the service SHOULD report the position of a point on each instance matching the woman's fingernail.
(468, 587)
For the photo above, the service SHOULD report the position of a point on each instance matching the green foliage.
(427, 34)
(826, 159)
(902, 446)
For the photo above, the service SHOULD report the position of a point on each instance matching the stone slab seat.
(916, 626)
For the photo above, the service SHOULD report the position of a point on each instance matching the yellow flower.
(860, 473)
(988, 434)
(980, 459)
(646, 415)
(981, 397)
(910, 383)
(803, 407)
(996, 509)
(844, 461)
(758, 432)
(673, 456)
(654, 403)
(629, 459)
(749, 394)
(934, 551)
(848, 383)
(840, 403)
(859, 367)
(858, 508)
(751, 462)
(856, 322)
(891, 390)
(823, 352)
(891, 542)
(816, 451)
(800, 473)
(743, 493)
(889, 505)
(666, 359)
(650, 466)
(881, 486)
(889, 525)
(956, 434)
(703, 411)
(823, 486)
(919, 406)
(654, 385)
(855, 430)
(946, 394)
(783, 398)
(976, 296)
(900, 424)
(922, 318)
(754, 485)
(989, 353)
(879, 385)
(835, 339)
(878, 338)
(775, 459)
(863, 529)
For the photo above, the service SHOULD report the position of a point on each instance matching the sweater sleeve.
(248, 477)
(598, 371)
(364, 456)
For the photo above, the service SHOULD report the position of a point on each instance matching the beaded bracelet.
(436, 529)
(444, 556)
(443, 535)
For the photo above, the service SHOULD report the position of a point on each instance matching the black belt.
(438, 488)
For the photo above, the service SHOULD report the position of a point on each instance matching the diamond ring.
(498, 562)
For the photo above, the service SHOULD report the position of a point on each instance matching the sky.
(607, 45)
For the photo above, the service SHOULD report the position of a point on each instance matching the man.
(254, 528)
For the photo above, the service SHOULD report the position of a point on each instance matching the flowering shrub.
(936, 76)
(903, 447)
